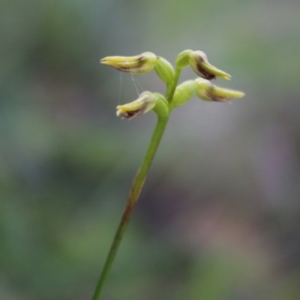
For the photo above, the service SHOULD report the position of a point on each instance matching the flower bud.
(184, 92)
(164, 70)
(200, 64)
(142, 105)
(138, 64)
(162, 106)
(210, 92)
(183, 59)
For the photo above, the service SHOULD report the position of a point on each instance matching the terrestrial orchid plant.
(162, 106)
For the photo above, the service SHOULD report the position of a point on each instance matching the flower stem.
(134, 193)
(172, 87)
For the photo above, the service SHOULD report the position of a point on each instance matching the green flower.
(146, 102)
(199, 63)
(138, 64)
(210, 92)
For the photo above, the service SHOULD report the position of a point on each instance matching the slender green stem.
(132, 199)
(171, 88)
(136, 188)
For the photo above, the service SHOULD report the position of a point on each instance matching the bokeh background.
(219, 214)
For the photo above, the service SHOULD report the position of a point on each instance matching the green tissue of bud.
(183, 59)
(162, 106)
(184, 92)
(164, 70)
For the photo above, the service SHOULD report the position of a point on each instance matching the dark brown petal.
(204, 73)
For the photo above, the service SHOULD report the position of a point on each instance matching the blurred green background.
(219, 214)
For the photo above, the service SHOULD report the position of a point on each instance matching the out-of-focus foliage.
(219, 215)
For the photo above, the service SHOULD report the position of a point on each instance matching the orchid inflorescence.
(161, 105)
(202, 87)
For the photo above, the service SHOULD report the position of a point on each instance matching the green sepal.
(183, 59)
(184, 92)
(164, 70)
(162, 106)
